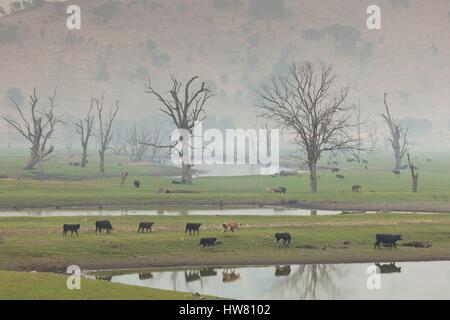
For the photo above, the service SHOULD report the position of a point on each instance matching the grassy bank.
(64, 186)
(37, 243)
(47, 286)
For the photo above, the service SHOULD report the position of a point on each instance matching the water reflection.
(413, 280)
(388, 268)
(218, 210)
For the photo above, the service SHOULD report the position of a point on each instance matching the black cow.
(396, 172)
(72, 228)
(286, 237)
(356, 188)
(207, 242)
(137, 184)
(280, 190)
(145, 226)
(105, 224)
(192, 227)
(340, 176)
(388, 268)
(387, 239)
(335, 170)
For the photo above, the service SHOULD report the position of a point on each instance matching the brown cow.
(230, 226)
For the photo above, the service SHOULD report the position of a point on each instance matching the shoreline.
(147, 265)
(302, 204)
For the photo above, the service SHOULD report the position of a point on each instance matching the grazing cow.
(282, 271)
(145, 276)
(145, 226)
(105, 224)
(335, 170)
(230, 226)
(356, 188)
(387, 239)
(207, 242)
(72, 228)
(76, 164)
(137, 184)
(269, 190)
(286, 237)
(388, 268)
(340, 176)
(280, 190)
(396, 172)
(192, 227)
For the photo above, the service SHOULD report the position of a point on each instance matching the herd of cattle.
(387, 240)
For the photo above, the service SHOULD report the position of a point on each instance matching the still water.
(266, 211)
(409, 280)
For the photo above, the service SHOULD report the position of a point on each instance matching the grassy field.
(47, 286)
(71, 186)
(37, 243)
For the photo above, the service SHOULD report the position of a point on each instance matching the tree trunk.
(398, 160)
(313, 176)
(415, 183)
(34, 159)
(102, 162)
(84, 158)
(186, 173)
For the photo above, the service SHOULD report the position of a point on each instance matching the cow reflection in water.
(229, 275)
(388, 268)
(145, 276)
(192, 275)
(105, 278)
(310, 282)
(208, 272)
(282, 271)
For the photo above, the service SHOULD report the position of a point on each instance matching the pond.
(409, 280)
(265, 211)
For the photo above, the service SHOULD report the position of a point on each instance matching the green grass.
(70, 186)
(37, 243)
(47, 286)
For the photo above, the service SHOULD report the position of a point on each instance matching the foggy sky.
(235, 45)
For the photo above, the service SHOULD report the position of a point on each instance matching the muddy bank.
(300, 204)
(152, 263)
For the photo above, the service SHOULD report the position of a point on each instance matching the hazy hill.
(234, 44)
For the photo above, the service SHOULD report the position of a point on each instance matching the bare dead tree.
(398, 135)
(123, 178)
(359, 124)
(414, 174)
(84, 128)
(185, 107)
(37, 128)
(119, 142)
(305, 102)
(105, 126)
(137, 141)
(372, 136)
